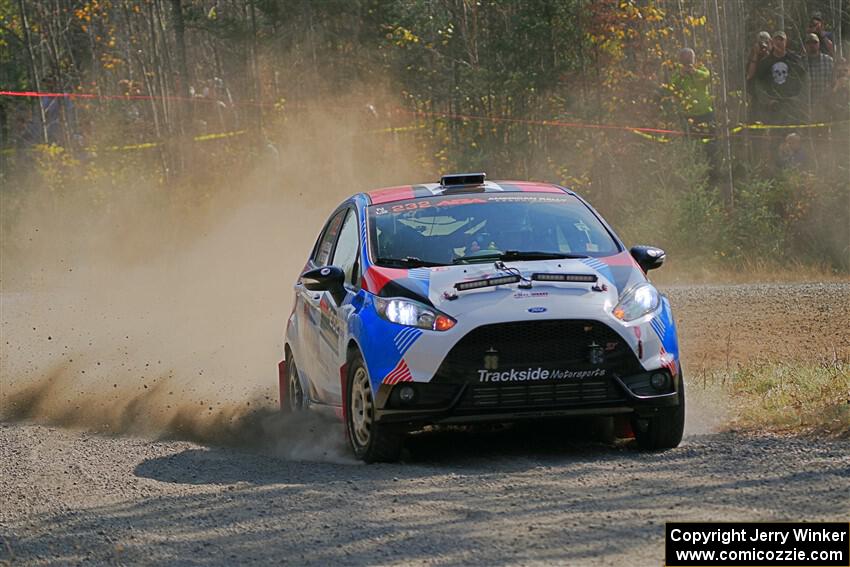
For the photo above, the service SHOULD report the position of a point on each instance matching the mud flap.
(623, 428)
(282, 383)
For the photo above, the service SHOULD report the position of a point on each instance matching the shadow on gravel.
(513, 449)
(586, 503)
(528, 443)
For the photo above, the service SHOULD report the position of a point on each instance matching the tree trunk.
(182, 66)
(255, 70)
(33, 70)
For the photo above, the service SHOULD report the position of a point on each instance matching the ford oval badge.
(536, 309)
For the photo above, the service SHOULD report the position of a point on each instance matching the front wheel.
(370, 441)
(664, 430)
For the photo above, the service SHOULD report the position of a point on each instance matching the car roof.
(406, 192)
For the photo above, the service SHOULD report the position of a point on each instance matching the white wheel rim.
(361, 407)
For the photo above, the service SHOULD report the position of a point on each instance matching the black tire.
(664, 430)
(371, 442)
(295, 400)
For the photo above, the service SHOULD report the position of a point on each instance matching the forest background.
(177, 102)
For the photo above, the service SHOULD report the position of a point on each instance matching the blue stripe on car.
(405, 339)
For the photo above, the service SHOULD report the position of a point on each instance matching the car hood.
(514, 301)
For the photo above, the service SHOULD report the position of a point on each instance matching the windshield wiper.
(407, 262)
(518, 255)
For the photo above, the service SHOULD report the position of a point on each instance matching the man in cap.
(759, 51)
(820, 69)
(782, 84)
(816, 26)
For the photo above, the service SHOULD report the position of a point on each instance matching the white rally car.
(472, 301)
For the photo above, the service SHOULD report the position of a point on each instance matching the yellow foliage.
(404, 36)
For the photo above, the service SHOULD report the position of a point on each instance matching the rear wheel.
(664, 430)
(371, 441)
(294, 390)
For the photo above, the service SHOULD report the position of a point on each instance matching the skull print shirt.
(781, 78)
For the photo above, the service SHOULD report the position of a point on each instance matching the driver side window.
(326, 244)
(347, 247)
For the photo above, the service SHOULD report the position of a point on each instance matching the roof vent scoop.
(462, 179)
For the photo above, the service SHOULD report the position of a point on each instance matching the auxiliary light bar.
(489, 282)
(584, 278)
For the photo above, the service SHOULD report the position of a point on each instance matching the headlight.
(637, 302)
(413, 314)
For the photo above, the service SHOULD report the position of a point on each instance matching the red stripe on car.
(390, 194)
(401, 373)
(621, 259)
(376, 278)
(527, 187)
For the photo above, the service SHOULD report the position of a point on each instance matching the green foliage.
(13, 71)
(701, 225)
(474, 85)
(755, 226)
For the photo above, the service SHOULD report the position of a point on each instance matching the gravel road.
(524, 496)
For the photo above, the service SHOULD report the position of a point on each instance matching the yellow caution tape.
(759, 126)
(144, 146)
(207, 137)
(663, 139)
(396, 130)
(219, 136)
(651, 137)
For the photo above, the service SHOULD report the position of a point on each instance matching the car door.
(309, 302)
(333, 333)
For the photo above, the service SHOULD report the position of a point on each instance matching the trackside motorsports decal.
(514, 375)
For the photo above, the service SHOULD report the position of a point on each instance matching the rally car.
(474, 301)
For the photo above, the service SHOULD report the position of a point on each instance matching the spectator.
(791, 153)
(691, 86)
(816, 27)
(781, 81)
(820, 69)
(759, 51)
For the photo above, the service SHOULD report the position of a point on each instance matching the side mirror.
(648, 257)
(326, 278)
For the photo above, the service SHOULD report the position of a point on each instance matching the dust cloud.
(161, 312)
(163, 315)
(708, 408)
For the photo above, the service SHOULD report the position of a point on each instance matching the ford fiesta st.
(472, 301)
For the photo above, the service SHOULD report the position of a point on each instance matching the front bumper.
(463, 403)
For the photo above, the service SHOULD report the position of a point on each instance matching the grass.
(695, 270)
(785, 397)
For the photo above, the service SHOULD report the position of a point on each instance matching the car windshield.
(461, 229)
